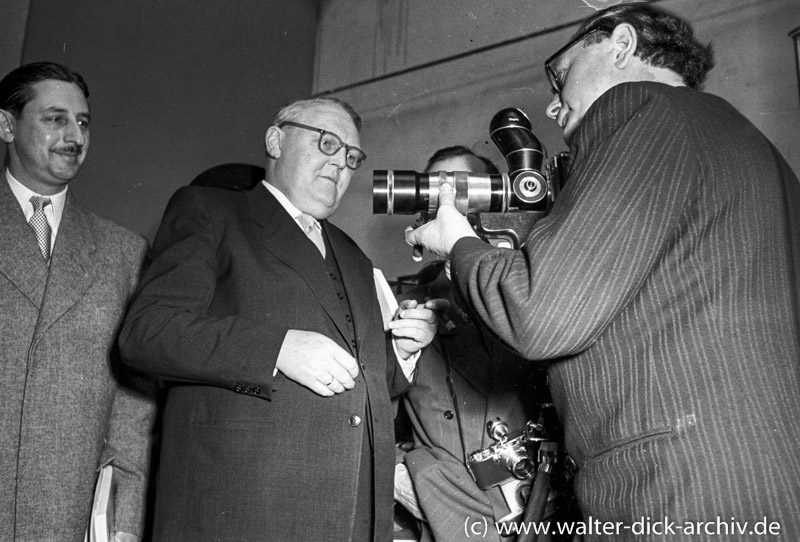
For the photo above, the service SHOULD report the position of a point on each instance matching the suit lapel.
(286, 241)
(71, 269)
(20, 260)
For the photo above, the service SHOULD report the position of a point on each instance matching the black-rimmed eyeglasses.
(555, 80)
(330, 143)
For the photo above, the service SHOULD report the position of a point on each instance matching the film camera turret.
(502, 208)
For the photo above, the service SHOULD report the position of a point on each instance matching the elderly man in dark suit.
(67, 405)
(663, 286)
(264, 318)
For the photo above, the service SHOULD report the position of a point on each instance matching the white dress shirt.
(52, 212)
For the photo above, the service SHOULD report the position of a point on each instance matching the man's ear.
(272, 141)
(6, 126)
(624, 40)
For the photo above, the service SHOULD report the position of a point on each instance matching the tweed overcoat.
(67, 405)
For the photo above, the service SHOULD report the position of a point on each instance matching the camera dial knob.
(530, 187)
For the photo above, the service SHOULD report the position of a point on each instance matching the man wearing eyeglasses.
(263, 318)
(662, 288)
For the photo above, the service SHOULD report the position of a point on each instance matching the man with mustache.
(67, 405)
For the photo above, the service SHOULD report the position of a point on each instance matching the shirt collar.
(23, 195)
(293, 211)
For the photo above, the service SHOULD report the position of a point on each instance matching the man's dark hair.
(16, 88)
(456, 151)
(664, 40)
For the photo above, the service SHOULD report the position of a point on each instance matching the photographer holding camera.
(465, 379)
(662, 287)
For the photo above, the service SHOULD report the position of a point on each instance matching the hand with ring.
(316, 362)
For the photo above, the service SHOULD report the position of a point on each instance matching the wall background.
(178, 87)
(443, 99)
(175, 88)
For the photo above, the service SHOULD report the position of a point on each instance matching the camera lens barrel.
(403, 192)
(398, 192)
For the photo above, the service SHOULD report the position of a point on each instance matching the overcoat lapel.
(22, 263)
(71, 268)
(286, 241)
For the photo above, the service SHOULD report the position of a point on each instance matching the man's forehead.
(331, 118)
(324, 112)
(457, 163)
(56, 94)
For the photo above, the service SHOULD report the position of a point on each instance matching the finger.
(414, 332)
(346, 362)
(437, 304)
(336, 386)
(447, 196)
(321, 389)
(411, 236)
(408, 304)
(408, 327)
(426, 315)
(342, 376)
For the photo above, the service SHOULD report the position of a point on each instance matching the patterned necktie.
(40, 225)
(313, 230)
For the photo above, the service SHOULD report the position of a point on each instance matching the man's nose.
(74, 133)
(339, 158)
(554, 106)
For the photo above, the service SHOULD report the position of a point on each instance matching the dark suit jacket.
(664, 285)
(489, 382)
(245, 455)
(67, 406)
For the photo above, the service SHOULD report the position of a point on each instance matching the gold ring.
(331, 382)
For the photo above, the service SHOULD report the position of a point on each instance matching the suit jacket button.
(355, 421)
(257, 390)
(237, 388)
(448, 414)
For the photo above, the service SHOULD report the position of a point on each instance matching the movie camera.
(503, 207)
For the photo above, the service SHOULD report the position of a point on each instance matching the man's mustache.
(69, 149)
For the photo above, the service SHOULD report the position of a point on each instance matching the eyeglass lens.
(329, 144)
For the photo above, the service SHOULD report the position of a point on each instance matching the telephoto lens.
(402, 192)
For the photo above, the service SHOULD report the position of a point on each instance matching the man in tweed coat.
(67, 406)
(662, 288)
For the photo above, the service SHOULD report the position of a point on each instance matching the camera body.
(502, 208)
(511, 463)
(505, 464)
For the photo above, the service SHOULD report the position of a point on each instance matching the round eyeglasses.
(330, 143)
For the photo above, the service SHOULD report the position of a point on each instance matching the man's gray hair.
(293, 110)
